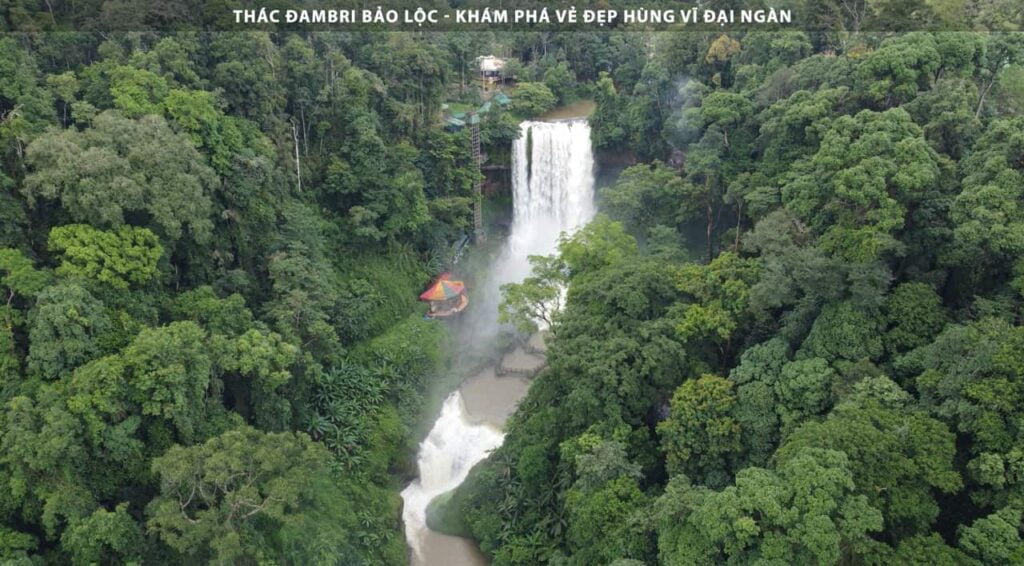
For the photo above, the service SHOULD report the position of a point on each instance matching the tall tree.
(247, 495)
(122, 169)
(807, 510)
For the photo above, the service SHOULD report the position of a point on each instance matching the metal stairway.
(478, 199)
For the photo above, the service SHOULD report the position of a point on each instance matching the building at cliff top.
(490, 66)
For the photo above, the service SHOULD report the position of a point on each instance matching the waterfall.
(451, 449)
(553, 192)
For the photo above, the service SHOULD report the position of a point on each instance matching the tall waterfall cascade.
(553, 192)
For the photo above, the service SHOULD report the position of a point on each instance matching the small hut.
(490, 67)
(494, 71)
(446, 296)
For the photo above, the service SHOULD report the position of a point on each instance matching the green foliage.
(137, 92)
(929, 550)
(379, 292)
(915, 317)
(445, 518)
(1011, 89)
(842, 332)
(67, 328)
(700, 433)
(414, 349)
(606, 523)
(19, 274)
(126, 256)
(21, 90)
(725, 109)
(806, 511)
(262, 361)
(600, 243)
(201, 232)
(794, 126)
(856, 197)
(230, 219)
(756, 377)
(897, 473)
(598, 461)
(611, 361)
(342, 397)
(645, 196)
(948, 113)
(967, 378)
(247, 495)
(393, 204)
(498, 129)
(721, 292)
(995, 538)
(804, 390)
(987, 213)
(169, 369)
(561, 81)
(606, 122)
(896, 71)
(228, 316)
(121, 167)
(538, 299)
(532, 99)
(105, 536)
(15, 545)
(10, 362)
(856, 190)
(196, 113)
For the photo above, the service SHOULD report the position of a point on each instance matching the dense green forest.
(791, 338)
(211, 245)
(210, 251)
(794, 336)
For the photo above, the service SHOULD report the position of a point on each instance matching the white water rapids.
(553, 192)
(453, 446)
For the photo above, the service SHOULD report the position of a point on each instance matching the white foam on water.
(450, 450)
(553, 192)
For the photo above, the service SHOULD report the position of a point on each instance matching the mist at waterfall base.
(553, 192)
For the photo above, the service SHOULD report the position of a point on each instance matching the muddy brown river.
(552, 194)
(470, 425)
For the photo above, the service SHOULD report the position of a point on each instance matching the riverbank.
(469, 427)
(552, 193)
(573, 110)
(490, 399)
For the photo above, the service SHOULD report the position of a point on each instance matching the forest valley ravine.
(553, 194)
(790, 331)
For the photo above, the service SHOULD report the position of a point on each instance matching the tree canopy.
(811, 354)
(791, 335)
